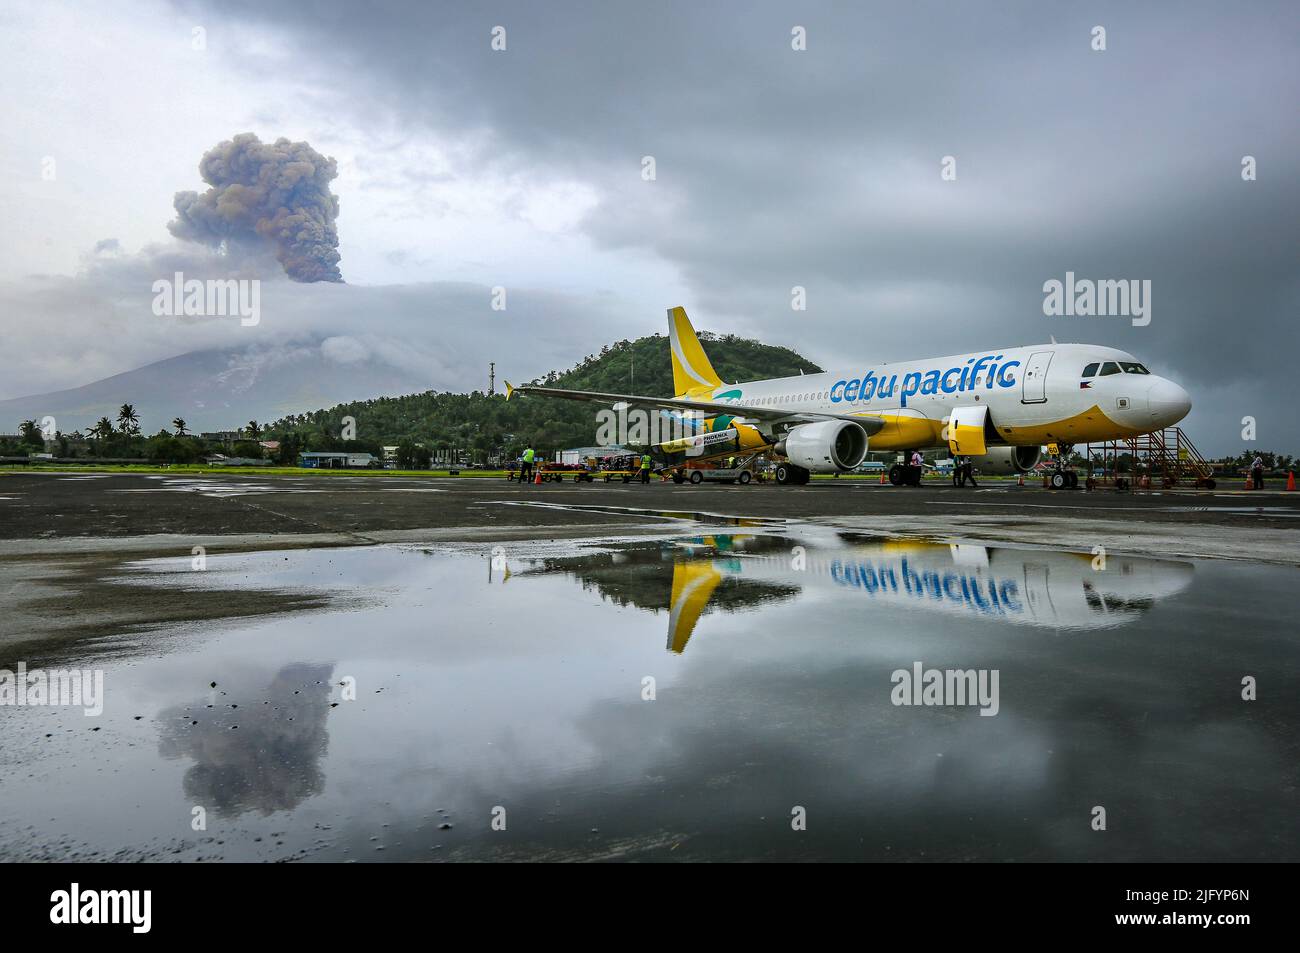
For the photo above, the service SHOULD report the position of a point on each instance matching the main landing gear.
(787, 474)
(901, 475)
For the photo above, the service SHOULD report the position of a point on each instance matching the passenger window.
(1110, 367)
(1091, 370)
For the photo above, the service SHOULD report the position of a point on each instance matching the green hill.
(487, 426)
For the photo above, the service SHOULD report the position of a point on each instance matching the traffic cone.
(1290, 481)
(537, 481)
(1021, 481)
(882, 479)
(1249, 484)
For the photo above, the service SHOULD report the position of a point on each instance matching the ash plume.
(260, 193)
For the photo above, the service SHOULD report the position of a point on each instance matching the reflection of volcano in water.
(643, 574)
(258, 757)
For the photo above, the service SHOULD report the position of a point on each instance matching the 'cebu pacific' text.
(979, 372)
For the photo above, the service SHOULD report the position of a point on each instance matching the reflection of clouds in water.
(941, 783)
(271, 761)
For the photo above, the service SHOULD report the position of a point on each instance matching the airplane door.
(1035, 378)
(966, 430)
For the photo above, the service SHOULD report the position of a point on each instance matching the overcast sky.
(462, 168)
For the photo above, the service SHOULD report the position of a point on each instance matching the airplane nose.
(1168, 402)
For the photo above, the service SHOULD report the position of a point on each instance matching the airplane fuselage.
(1049, 393)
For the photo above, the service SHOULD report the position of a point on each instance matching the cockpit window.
(1091, 370)
(1132, 368)
(1110, 367)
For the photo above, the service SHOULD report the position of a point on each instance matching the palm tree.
(103, 429)
(128, 420)
(253, 429)
(179, 424)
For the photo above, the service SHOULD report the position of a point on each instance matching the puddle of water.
(515, 677)
(710, 519)
(1261, 510)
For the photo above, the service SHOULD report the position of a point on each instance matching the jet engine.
(827, 446)
(1008, 460)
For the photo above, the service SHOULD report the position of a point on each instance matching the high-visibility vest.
(645, 462)
(528, 455)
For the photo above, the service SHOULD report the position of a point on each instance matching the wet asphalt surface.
(45, 506)
(368, 668)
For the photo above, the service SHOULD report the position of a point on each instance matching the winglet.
(509, 390)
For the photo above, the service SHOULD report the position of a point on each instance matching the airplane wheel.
(896, 475)
(1058, 481)
(783, 473)
(744, 478)
(804, 476)
(1072, 480)
(697, 477)
(678, 479)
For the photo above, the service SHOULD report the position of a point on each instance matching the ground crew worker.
(645, 468)
(1257, 473)
(731, 463)
(968, 473)
(918, 463)
(958, 472)
(526, 466)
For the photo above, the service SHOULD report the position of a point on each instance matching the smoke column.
(260, 193)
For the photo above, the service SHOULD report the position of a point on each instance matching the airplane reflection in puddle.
(1038, 588)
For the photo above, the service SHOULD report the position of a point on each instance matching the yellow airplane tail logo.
(692, 372)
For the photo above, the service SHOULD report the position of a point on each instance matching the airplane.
(1041, 589)
(999, 406)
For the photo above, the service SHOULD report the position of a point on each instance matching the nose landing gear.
(1063, 477)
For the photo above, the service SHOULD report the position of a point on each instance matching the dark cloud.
(276, 194)
(821, 168)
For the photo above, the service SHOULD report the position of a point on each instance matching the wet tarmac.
(696, 689)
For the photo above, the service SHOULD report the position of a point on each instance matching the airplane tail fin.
(692, 372)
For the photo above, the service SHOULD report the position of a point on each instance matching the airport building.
(579, 454)
(337, 461)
